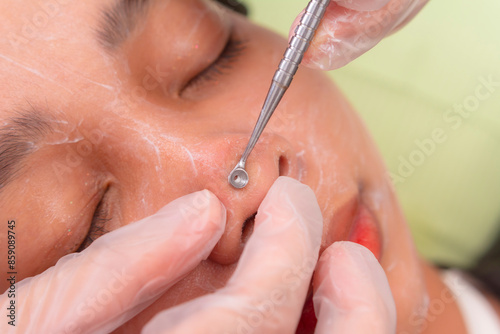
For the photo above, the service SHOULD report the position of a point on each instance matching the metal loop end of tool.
(238, 177)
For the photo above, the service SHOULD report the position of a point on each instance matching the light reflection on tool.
(288, 66)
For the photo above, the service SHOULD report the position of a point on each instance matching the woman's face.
(106, 119)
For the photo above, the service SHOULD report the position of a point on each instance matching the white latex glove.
(121, 273)
(351, 292)
(269, 286)
(352, 27)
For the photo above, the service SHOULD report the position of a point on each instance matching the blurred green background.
(412, 85)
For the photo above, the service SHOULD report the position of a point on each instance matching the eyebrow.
(18, 138)
(120, 19)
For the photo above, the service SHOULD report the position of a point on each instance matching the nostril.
(283, 165)
(247, 228)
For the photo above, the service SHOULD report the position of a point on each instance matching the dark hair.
(235, 5)
(487, 269)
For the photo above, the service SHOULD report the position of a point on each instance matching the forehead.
(46, 35)
(56, 47)
(45, 44)
(53, 21)
(37, 22)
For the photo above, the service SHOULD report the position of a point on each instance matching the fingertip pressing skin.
(299, 198)
(201, 211)
(352, 294)
(172, 242)
(288, 229)
(188, 227)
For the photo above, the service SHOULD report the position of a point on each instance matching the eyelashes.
(234, 5)
(232, 51)
(97, 226)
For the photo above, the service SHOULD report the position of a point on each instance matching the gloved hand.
(352, 27)
(121, 273)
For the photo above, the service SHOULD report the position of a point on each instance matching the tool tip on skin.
(238, 178)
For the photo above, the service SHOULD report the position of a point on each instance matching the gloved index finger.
(122, 272)
(272, 277)
(284, 246)
(275, 269)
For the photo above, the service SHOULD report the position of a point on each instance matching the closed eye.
(228, 56)
(98, 225)
(234, 5)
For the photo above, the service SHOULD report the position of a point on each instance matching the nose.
(272, 157)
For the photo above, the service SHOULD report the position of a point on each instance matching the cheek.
(153, 169)
(399, 257)
(324, 130)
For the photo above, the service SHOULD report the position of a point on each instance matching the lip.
(307, 323)
(354, 221)
(365, 231)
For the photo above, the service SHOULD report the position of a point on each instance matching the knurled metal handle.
(304, 33)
